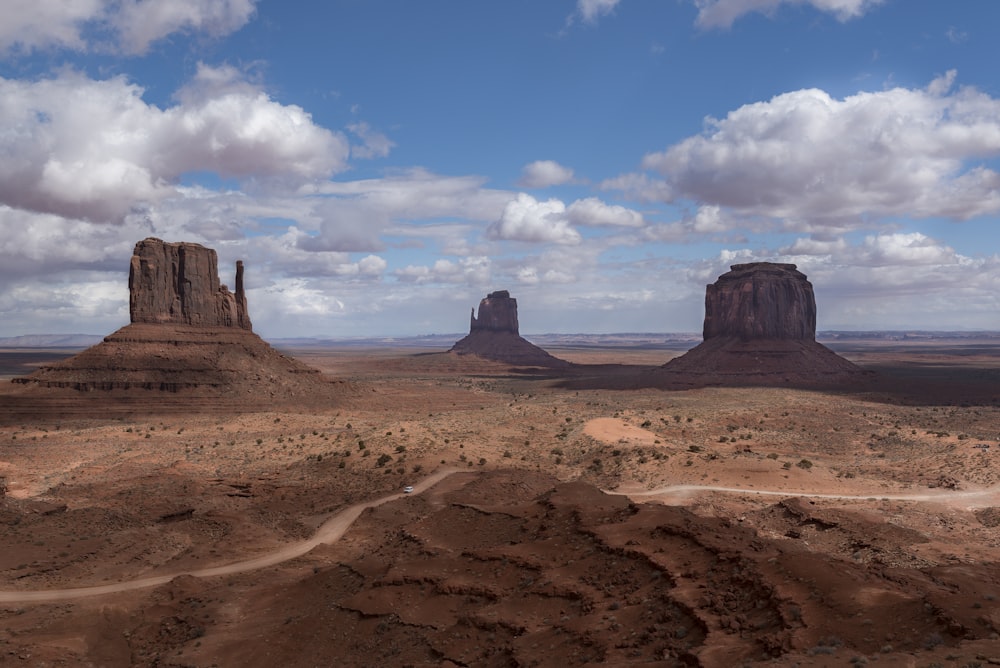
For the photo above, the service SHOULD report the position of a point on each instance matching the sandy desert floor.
(548, 526)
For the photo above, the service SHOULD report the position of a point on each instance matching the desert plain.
(558, 516)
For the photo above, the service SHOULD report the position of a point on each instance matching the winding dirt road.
(335, 527)
(329, 532)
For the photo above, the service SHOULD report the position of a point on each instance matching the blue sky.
(381, 165)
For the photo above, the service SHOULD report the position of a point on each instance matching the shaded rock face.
(497, 313)
(178, 283)
(761, 300)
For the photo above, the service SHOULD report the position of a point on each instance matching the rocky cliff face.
(761, 300)
(178, 283)
(497, 313)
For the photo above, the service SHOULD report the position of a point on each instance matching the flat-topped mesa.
(178, 283)
(761, 300)
(497, 313)
(760, 329)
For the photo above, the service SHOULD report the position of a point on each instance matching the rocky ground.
(714, 527)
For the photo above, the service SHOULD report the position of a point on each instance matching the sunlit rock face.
(761, 300)
(178, 283)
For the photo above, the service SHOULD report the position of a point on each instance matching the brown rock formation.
(494, 335)
(761, 300)
(179, 283)
(190, 336)
(497, 313)
(760, 329)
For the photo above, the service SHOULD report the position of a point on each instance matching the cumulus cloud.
(816, 161)
(722, 13)
(474, 271)
(544, 173)
(351, 215)
(527, 219)
(133, 25)
(40, 24)
(95, 150)
(142, 22)
(593, 212)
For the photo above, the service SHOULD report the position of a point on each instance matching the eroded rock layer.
(493, 335)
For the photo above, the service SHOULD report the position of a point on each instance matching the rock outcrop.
(761, 300)
(493, 335)
(760, 329)
(497, 313)
(189, 336)
(179, 283)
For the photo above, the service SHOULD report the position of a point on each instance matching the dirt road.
(335, 527)
(329, 532)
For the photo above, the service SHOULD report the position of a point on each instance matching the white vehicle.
(408, 489)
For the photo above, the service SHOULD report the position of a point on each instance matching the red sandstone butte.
(494, 335)
(760, 329)
(189, 336)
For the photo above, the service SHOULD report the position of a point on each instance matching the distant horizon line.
(76, 339)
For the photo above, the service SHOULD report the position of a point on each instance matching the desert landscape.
(437, 507)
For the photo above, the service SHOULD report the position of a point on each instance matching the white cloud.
(544, 173)
(527, 219)
(40, 24)
(93, 149)
(816, 161)
(593, 212)
(133, 25)
(473, 271)
(722, 13)
(591, 10)
(142, 22)
(906, 249)
(373, 144)
(351, 215)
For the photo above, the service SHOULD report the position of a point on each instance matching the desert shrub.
(383, 459)
(694, 448)
(400, 448)
(805, 464)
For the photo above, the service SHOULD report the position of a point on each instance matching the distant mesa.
(493, 335)
(760, 329)
(188, 334)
